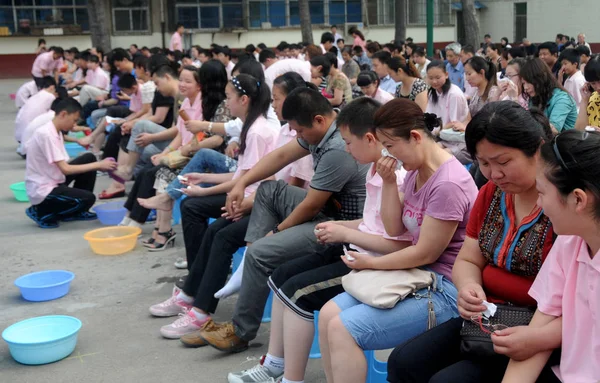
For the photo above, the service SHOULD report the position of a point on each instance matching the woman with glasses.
(511, 86)
(508, 238)
(567, 289)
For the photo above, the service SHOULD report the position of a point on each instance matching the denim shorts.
(380, 329)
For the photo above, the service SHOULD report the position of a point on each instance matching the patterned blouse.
(477, 103)
(593, 110)
(418, 86)
(341, 82)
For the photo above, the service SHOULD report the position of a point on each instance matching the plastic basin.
(113, 240)
(42, 340)
(45, 285)
(77, 134)
(110, 213)
(74, 149)
(19, 191)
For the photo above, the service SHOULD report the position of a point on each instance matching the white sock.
(274, 364)
(125, 222)
(234, 283)
(201, 317)
(284, 380)
(182, 297)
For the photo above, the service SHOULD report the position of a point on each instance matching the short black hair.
(262, 46)
(70, 105)
(47, 82)
(41, 41)
(359, 118)
(583, 50)
(324, 62)
(250, 48)
(487, 35)
(127, 81)
(266, 54)
(179, 25)
(225, 50)
(551, 46)
(134, 45)
(120, 54)
(164, 70)
(141, 62)
(333, 26)
(383, 56)
(327, 37)
(559, 36)
(468, 49)
(58, 50)
(303, 105)
(94, 59)
(515, 52)
(570, 55)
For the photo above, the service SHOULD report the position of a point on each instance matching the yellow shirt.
(593, 110)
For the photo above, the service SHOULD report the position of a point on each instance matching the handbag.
(174, 160)
(477, 343)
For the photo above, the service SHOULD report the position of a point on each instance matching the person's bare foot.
(85, 141)
(115, 187)
(122, 173)
(159, 202)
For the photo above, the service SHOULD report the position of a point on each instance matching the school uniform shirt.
(98, 78)
(388, 84)
(25, 91)
(233, 128)
(36, 105)
(423, 69)
(40, 120)
(302, 168)
(195, 112)
(457, 74)
(45, 61)
(283, 66)
(175, 43)
(382, 96)
(568, 286)
(260, 141)
(229, 69)
(573, 85)
(451, 106)
(144, 95)
(42, 175)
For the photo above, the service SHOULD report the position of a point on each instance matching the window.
(417, 12)
(348, 11)
(520, 21)
(210, 14)
(381, 12)
(130, 16)
(31, 17)
(279, 14)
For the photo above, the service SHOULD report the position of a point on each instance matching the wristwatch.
(276, 229)
(210, 126)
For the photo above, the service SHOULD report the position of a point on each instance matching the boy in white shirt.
(97, 81)
(570, 60)
(48, 172)
(35, 105)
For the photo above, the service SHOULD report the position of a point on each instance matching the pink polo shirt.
(175, 43)
(303, 168)
(260, 141)
(97, 78)
(45, 61)
(382, 96)
(568, 285)
(25, 91)
(37, 104)
(451, 106)
(44, 150)
(372, 222)
(195, 112)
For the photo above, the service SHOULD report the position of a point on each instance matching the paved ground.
(119, 341)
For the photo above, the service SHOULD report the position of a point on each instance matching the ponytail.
(397, 63)
(489, 72)
(260, 99)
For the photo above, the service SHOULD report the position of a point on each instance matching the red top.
(514, 252)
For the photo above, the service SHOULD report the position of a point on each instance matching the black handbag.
(477, 343)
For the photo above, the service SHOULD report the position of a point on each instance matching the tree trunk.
(470, 21)
(400, 20)
(305, 25)
(99, 24)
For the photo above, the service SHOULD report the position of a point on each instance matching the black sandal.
(170, 236)
(150, 241)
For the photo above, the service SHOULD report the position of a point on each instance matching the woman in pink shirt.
(209, 249)
(567, 288)
(368, 81)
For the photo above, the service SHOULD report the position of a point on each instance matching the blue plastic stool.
(315, 350)
(376, 370)
(237, 259)
(267, 313)
(176, 215)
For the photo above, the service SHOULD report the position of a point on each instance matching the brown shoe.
(194, 339)
(223, 338)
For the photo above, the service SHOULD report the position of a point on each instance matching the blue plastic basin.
(110, 213)
(42, 340)
(45, 285)
(74, 149)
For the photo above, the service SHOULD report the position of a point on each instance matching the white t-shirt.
(36, 105)
(40, 120)
(25, 91)
(573, 85)
(233, 128)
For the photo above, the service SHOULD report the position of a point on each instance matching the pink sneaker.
(171, 307)
(187, 323)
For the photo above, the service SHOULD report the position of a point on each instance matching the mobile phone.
(348, 256)
(182, 178)
(179, 190)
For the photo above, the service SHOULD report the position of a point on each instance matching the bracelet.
(170, 148)
(276, 229)
(210, 126)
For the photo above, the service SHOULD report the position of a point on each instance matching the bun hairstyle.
(260, 99)
(506, 123)
(366, 78)
(397, 63)
(289, 81)
(489, 72)
(572, 162)
(446, 87)
(323, 62)
(398, 117)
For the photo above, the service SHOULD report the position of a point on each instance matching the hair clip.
(237, 85)
(258, 84)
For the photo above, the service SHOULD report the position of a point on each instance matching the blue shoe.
(151, 216)
(83, 216)
(32, 213)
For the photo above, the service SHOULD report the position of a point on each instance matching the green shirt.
(561, 110)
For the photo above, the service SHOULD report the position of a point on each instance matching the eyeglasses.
(559, 157)
(486, 326)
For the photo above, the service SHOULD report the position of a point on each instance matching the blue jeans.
(380, 329)
(204, 161)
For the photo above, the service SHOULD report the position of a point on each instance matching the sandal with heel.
(150, 241)
(170, 241)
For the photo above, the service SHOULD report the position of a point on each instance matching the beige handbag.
(383, 289)
(174, 160)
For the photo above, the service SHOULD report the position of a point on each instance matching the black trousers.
(116, 139)
(435, 357)
(195, 212)
(305, 284)
(211, 265)
(143, 187)
(64, 201)
(39, 81)
(88, 108)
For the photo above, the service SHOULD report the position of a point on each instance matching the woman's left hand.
(518, 343)
(186, 150)
(361, 261)
(194, 191)
(196, 126)
(331, 232)
(458, 126)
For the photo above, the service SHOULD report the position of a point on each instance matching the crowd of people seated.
(441, 204)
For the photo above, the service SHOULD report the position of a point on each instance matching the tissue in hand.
(490, 309)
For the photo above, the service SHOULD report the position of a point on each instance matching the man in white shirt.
(380, 62)
(224, 56)
(38, 104)
(97, 82)
(570, 60)
(581, 41)
(25, 91)
(336, 35)
(275, 67)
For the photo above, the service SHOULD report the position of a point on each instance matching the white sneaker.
(181, 263)
(186, 324)
(256, 374)
(171, 307)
